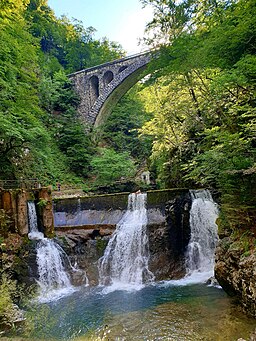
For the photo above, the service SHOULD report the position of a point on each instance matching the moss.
(158, 197)
(101, 245)
(8, 291)
(63, 241)
(31, 196)
(50, 235)
(5, 223)
(42, 203)
(246, 254)
(15, 193)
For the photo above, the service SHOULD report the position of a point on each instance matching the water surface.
(164, 311)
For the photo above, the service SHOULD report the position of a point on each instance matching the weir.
(85, 226)
(159, 235)
(169, 233)
(102, 210)
(152, 309)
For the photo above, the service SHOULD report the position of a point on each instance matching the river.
(129, 305)
(171, 310)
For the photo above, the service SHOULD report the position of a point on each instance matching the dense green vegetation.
(37, 102)
(198, 107)
(192, 122)
(202, 98)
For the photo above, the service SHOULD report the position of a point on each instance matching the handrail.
(20, 183)
(111, 62)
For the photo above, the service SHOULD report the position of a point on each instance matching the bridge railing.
(21, 183)
(112, 62)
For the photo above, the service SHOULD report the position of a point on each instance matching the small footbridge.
(100, 87)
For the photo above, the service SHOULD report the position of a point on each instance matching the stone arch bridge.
(100, 87)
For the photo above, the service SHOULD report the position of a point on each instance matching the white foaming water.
(204, 237)
(124, 264)
(32, 222)
(53, 280)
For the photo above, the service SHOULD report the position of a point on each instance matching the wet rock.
(84, 248)
(236, 273)
(169, 238)
(12, 317)
(213, 282)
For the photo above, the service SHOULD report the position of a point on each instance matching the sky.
(122, 21)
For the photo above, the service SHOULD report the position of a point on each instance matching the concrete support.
(14, 205)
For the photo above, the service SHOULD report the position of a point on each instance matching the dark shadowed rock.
(236, 273)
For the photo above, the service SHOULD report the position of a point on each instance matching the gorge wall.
(235, 264)
(17, 252)
(14, 210)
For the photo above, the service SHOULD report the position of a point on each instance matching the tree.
(18, 81)
(109, 166)
(205, 100)
(120, 131)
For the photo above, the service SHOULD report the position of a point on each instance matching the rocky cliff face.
(236, 255)
(235, 267)
(84, 248)
(235, 271)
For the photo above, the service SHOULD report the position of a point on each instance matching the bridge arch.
(94, 89)
(108, 77)
(102, 86)
(122, 68)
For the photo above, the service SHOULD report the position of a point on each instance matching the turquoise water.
(181, 310)
(163, 311)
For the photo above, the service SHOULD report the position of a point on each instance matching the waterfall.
(204, 234)
(51, 258)
(125, 261)
(32, 222)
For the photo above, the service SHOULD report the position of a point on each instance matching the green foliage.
(40, 134)
(67, 42)
(60, 100)
(42, 203)
(120, 131)
(4, 223)
(19, 110)
(109, 166)
(8, 293)
(101, 245)
(196, 118)
(204, 98)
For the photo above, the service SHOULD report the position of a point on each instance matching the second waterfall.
(125, 261)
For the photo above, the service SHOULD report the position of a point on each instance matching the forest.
(192, 123)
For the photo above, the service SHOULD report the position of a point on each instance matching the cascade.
(50, 258)
(32, 222)
(125, 260)
(204, 234)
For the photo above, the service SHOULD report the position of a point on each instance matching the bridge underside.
(101, 87)
(117, 94)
